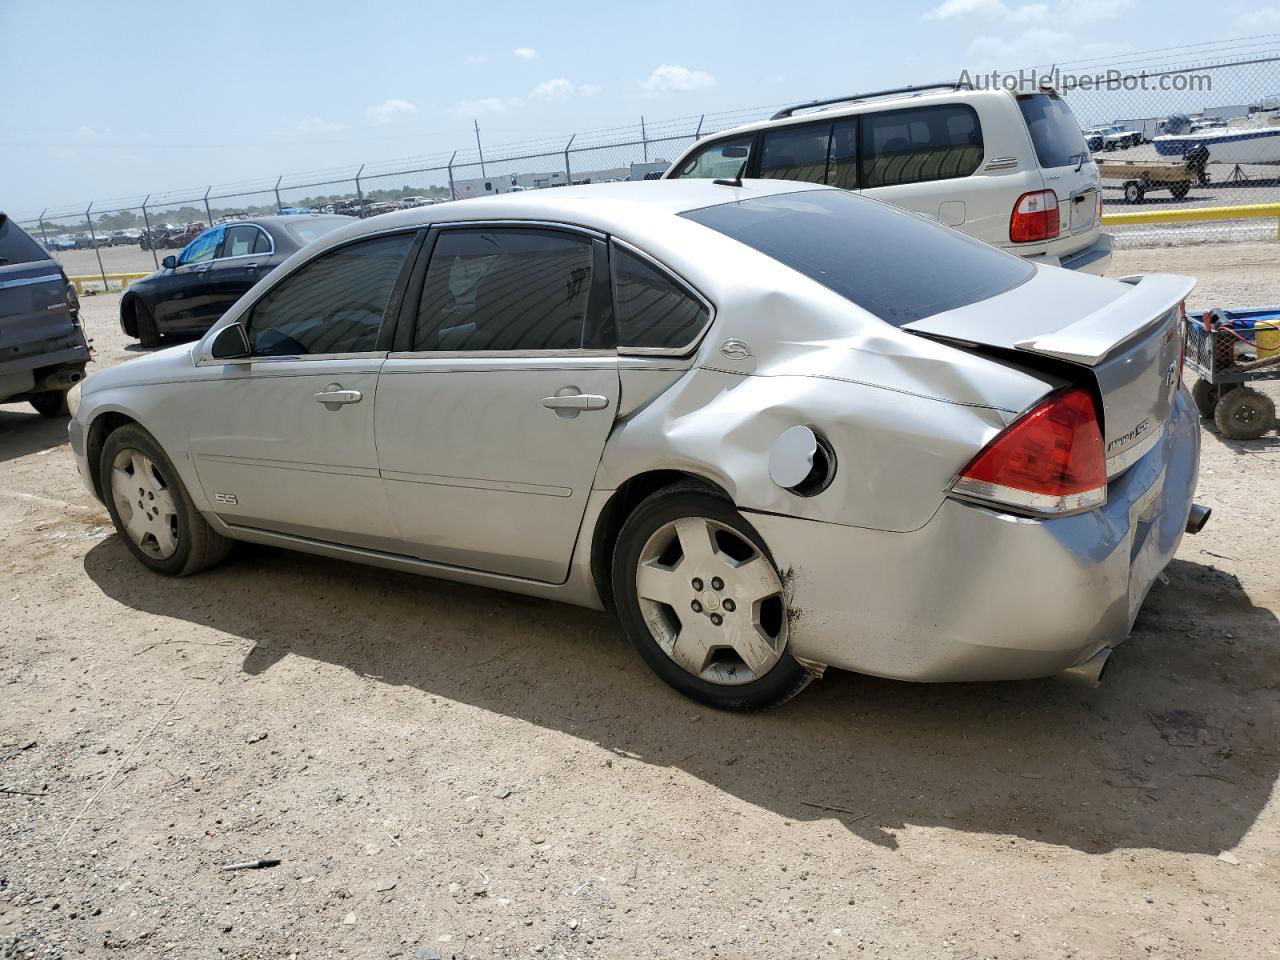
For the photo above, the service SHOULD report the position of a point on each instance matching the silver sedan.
(774, 427)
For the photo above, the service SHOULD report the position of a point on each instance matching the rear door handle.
(335, 394)
(576, 401)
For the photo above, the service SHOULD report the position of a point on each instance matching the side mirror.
(169, 262)
(229, 343)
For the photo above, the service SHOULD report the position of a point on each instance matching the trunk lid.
(1123, 339)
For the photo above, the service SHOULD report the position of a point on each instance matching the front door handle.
(576, 401)
(336, 395)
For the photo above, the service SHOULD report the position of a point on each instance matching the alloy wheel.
(712, 600)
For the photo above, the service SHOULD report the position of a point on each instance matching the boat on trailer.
(1259, 144)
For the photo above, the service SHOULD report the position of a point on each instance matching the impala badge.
(735, 349)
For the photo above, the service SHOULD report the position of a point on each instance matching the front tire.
(51, 404)
(1244, 414)
(151, 509)
(700, 598)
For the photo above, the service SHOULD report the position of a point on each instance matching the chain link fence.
(1200, 133)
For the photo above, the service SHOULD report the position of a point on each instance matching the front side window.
(244, 240)
(920, 143)
(654, 311)
(505, 289)
(334, 304)
(202, 248)
(723, 160)
(796, 153)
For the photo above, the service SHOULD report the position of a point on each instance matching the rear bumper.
(980, 595)
(1094, 259)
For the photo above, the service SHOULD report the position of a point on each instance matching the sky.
(116, 100)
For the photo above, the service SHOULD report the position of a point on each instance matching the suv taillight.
(1049, 461)
(1035, 217)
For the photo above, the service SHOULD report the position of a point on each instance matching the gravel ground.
(448, 771)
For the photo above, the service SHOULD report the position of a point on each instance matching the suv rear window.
(894, 264)
(1053, 129)
(16, 246)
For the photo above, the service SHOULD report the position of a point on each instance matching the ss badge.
(228, 498)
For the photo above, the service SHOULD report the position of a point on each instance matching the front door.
(491, 421)
(185, 299)
(283, 440)
(241, 261)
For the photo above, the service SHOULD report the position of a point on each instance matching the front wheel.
(1134, 192)
(151, 509)
(1244, 414)
(699, 596)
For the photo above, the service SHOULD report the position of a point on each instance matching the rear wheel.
(701, 599)
(1244, 414)
(51, 404)
(1134, 192)
(151, 509)
(145, 323)
(1205, 395)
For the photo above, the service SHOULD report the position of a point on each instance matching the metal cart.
(1229, 348)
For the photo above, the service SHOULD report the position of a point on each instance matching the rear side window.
(1053, 129)
(16, 246)
(894, 264)
(505, 289)
(795, 153)
(920, 143)
(722, 160)
(244, 240)
(334, 304)
(654, 311)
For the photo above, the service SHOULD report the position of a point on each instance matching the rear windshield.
(304, 231)
(16, 246)
(896, 265)
(1053, 129)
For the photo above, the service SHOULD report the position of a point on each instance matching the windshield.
(894, 264)
(1053, 129)
(304, 231)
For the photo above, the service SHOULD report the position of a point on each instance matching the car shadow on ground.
(1176, 750)
(24, 432)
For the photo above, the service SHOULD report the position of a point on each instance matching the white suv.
(1010, 169)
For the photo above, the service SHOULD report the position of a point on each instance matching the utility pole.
(479, 149)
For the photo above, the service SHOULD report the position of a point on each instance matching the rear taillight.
(1035, 217)
(1049, 461)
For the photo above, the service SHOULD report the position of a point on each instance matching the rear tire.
(1205, 395)
(1244, 414)
(1133, 192)
(51, 404)
(145, 323)
(717, 592)
(151, 509)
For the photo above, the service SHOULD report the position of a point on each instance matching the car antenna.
(737, 177)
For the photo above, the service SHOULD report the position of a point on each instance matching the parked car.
(293, 211)
(378, 208)
(125, 238)
(43, 350)
(1092, 139)
(1009, 169)
(776, 427)
(192, 289)
(409, 203)
(62, 243)
(1114, 138)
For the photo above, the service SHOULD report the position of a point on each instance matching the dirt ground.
(445, 771)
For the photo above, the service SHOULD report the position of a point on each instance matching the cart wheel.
(1205, 395)
(1180, 190)
(1244, 414)
(1133, 192)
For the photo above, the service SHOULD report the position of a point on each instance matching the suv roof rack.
(919, 88)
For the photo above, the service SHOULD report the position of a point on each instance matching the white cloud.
(589, 89)
(1039, 45)
(1093, 11)
(310, 126)
(672, 78)
(389, 111)
(477, 108)
(1262, 17)
(547, 91)
(476, 58)
(556, 89)
(989, 10)
(525, 53)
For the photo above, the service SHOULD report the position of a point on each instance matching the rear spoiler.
(1090, 340)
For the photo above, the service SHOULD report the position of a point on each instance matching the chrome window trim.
(28, 281)
(574, 354)
(590, 232)
(692, 345)
(301, 358)
(242, 256)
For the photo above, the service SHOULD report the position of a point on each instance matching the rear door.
(493, 411)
